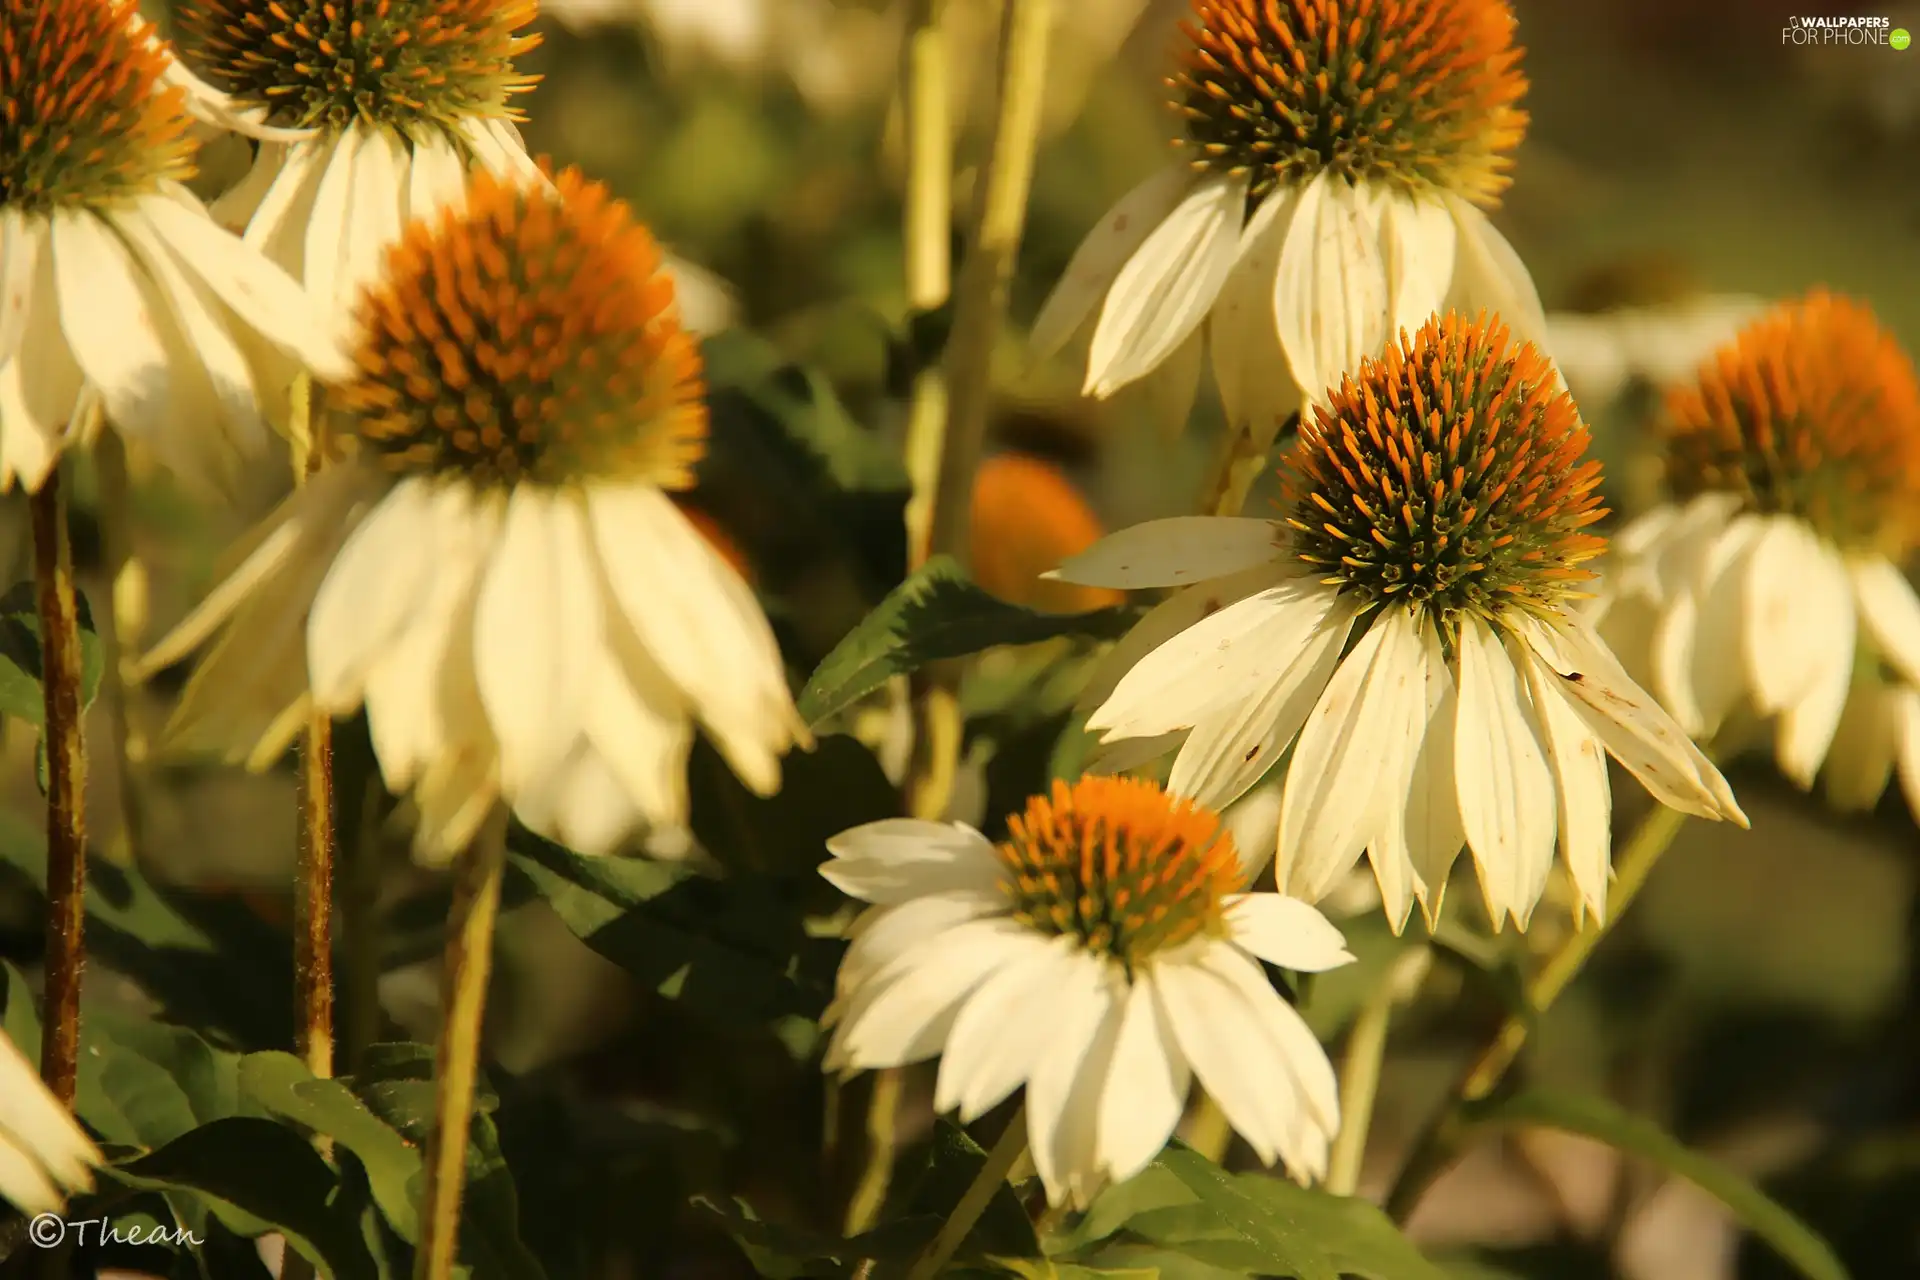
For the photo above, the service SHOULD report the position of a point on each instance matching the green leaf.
(1168, 1264)
(934, 615)
(20, 664)
(734, 948)
(782, 1252)
(256, 1176)
(1152, 1188)
(951, 1164)
(1596, 1118)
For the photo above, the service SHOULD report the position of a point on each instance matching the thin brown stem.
(456, 1070)
(66, 787)
(313, 890)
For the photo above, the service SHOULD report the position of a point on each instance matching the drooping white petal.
(1242, 337)
(39, 388)
(582, 805)
(1807, 724)
(1286, 932)
(278, 227)
(1637, 733)
(538, 621)
(330, 232)
(1163, 622)
(1237, 739)
(1506, 789)
(1009, 1023)
(1889, 612)
(50, 1153)
(1579, 762)
(1251, 644)
(375, 204)
(1489, 276)
(702, 623)
(896, 859)
(1417, 236)
(1175, 552)
(1426, 830)
(1703, 621)
(903, 1014)
(1209, 1026)
(1145, 1090)
(1865, 746)
(372, 590)
(437, 177)
(1091, 271)
(1331, 808)
(20, 247)
(1296, 1046)
(1330, 289)
(1780, 639)
(1168, 285)
(882, 935)
(1063, 1094)
(642, 725)
(499, 148)
(113, 334)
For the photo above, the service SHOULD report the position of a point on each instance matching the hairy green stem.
(1438, 1144)
(975, 1199)
(66, 787)
(456, 1068)
(313, 896)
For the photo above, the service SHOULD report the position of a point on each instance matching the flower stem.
(313, 896)
(120, 628)
(66, 787)
(978, 1195)
(469, 961)
(1360, 1068)
(1436, 1147)
(980, 301)
(927, 220)
(883, 1113)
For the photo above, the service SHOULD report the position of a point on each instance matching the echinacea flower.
(116, 288)
(1104, 956)
(44, 1155)
(1405, 627)
(1337, 154)
(1770, 581)
(1027, 518)
(492, 562)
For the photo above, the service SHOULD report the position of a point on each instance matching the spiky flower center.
(1812, 411)
(529, 337)
(406, 64)
(84, 118)
(1412, 94)
(1120, 866)
(1448, 474)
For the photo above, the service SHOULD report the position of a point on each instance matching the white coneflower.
(1337, 155)
(114, 282)
(1104, 956)
(44, 1155)
(492, 563)
(1602, 353)
(1406, 629)
(1770, 580)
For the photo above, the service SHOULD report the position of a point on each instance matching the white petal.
(374, 587)
(1162, 623)
(499, 149)
(1703, 623)
(1146, 1088)
(643, 727)
(1286, 932)
(1331, 808)
(1428, 833)
(1174, 552)
(1007, 1026)
(1063, 1094)
(1506, 790)
(45, 1131)
(881, 935)
(1865, 747)
(1168, 285)
(583, 805)
(1330, 291)
(1890, 614)
(1241, 333)
(262, 295)
(1237, 739)
(114, 336)
(1806, 726)
(538, 621)
(39, 388)
(1782, 638)
(1637, 733)
(900, 858)
(330, 229)
(1248, 646)
(1417, 246)
(903, 1014)
(1579, 762)
(1103, 253)
(278, 226)
(700, 621)
(1489, 276)
(375, 204)
(19, 253)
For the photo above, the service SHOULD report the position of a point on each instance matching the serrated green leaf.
(1168, 1264)
(20, 660)
(1596, 1118)
(952, 1162)
(934, 615)
(1152, 1188)
(255, 1176)
(1279, 1241)
(730, 948)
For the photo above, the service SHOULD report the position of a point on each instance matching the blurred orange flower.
(1027, 519)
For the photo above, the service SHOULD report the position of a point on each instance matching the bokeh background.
(1682, 166)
